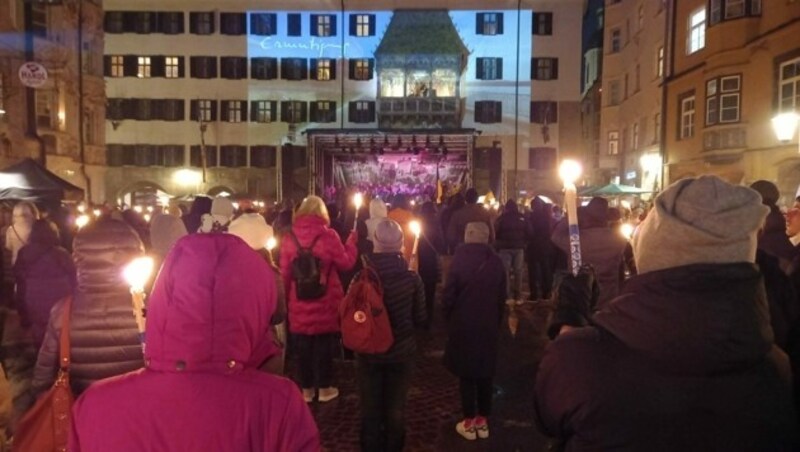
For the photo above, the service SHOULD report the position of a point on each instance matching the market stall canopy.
(615, 190)
(29, 181)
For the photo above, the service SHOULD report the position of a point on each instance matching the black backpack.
(306, 272)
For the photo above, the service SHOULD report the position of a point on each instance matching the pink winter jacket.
(317, 316)
(207, 329)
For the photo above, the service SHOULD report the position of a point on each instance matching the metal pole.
(81, 119)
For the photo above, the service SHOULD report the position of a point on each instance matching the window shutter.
(303, 69)
(129, 65)
(372, 24)
(478, 111)
(285, 111)
(225, 113)
(243, 106)
(333, 25)
(214, 107)
(212, 62)
(272, 68)
(181, 67)
(479, 68)
(314, 65)
(371, 111)
(499, 23)
(553, 113)
(315, 111)
(193, 23)
(180, 108)
(253, 110)
(128, 22)
(314, 21)
(371, 66)
(535, 27)
(242, 24)
(479, 24)
(273, 23)
(157, 68)
(353, 24)
(285, 68)
(333, 68)
(351, 63)
(352, 112)
(194, 110)
(293, 25)
(555, 69)
(498, 111)
(499, 63)
(303, 112)
(107, 65)
(273, 111)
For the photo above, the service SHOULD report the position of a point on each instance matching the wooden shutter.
(285, 110)
(352, 112)
(314, 66)
(498, 111)
(353, 24)
(272, 68)
(293, 26)
(158, 66)
(333, 68)
(253, 110)
(181, 67)
(499, 23)
(372, 24)
(314, 24)
(555, 68)
(371, 67)
(351, 64)
(107, 65)
(499, 65)
(479, 68)
(479, 23)
(333, 25)
(243, 106)
(315, 111)
(273, 23)
(194, 110)
(371, 111)
(303, 111)
(130, 65)
(193, 18)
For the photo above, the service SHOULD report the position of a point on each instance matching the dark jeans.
(315, 358)
(479, 389)
(540, 277)
(383, 388)
(430, 298)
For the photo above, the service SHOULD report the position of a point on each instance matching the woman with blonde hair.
(312, 255)
(25, 213)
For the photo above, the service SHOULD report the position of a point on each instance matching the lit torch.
(82, 221)
(358, 199)
(137, 273)
(416, 229)
(570, 171)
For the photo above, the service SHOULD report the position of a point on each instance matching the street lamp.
(785, 126)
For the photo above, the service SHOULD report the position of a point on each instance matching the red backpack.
(364, 319)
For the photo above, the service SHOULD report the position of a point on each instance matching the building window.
(293, 25)
(488, 111)
(143, 22)
(143, 67)
(113, 22)
(323, 111)
(263, 24)
(723, 99)
(362, 112)
(170, 155)
(489, 24)
(721, 10)
(696, 36)
(264, 68)
(790, 85)
(613, 93)
(323, 69)
(294, 111)
(172, 67)
(361, 69)
(542, 159)
(204, 110)
(323, 25)
(616, 40)
(362, 25)
(657, 128)
(203, 67)
(143, 109)
(687, 116)
(263, 156)
(44, 108)
(117, 66)
(635, 139)
(170, 22)
(170, 109)
(544, 112)
(544, 69)
(233, 24)
(613, 143)
(233, 68)
(234, 111)
(489, 68)
(201, 23)
(641, 17)
(196, 158)
(660, 62)
(543, 24)
(294, 68)
(233, 156)
(263, 111)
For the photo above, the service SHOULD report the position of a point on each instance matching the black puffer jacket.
(404, 298)
(682, 360)
(104, 339)
(512, 231)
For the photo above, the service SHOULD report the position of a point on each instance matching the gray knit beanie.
(388, 237)
(703, 220)
(476, 232)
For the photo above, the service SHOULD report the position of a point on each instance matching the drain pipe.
(516, 107)
(344, 67)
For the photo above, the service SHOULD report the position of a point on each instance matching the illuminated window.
(660, 62)
(613, 143)
(723, 99)
(323, 25)
(143, 67)
(790, 85)
(172, 67)
(635, 140)
(361, 69)
(489, 24)
(687, 116)
(117, 66)
(364, 25)
(544, 69)
(322, 69)
(696, 36)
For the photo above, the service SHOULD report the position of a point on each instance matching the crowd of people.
(685, 337)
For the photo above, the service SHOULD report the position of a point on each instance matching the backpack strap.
(64, 351)
(301, 247)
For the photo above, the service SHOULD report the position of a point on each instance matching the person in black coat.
(684, 358)
(473, 301)
(540, 252)
(773, 239)
(512, 233)
(193, 220)
(431, 246)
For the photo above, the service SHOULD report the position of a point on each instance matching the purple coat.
(207, 329)
(317, 316)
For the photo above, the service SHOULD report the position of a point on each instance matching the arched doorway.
(142, 193)
(221, 190)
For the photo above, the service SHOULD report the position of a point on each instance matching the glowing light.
(137, 209)
(82, 221)
(358, 200)
(97, 213)
(570, 171)
(147, 217)
(150, 209)
(138, 272)
(81, 208)
(625, 204)
(271, 244)
(626, 229)
(785, 125)
(650, 162)
(235, 205)
(415, 227)
(187, 177)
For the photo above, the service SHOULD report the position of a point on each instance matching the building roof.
(421, 32)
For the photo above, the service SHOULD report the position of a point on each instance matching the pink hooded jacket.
(317, 316)
(207, 329)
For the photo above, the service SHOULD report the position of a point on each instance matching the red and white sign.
(32, 74)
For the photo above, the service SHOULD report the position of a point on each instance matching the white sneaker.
(308, 395)
(466, 429)
(328, 394)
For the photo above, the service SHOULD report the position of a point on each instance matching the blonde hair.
(313, 205)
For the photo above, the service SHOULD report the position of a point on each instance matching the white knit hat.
(388, 237)
(477, 232)
(695, 221)
(253, 229)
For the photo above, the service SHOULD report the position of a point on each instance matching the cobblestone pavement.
(433, 402)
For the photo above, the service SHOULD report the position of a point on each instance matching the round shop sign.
(32, 74)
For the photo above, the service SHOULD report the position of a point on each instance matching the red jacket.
(317, 316)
